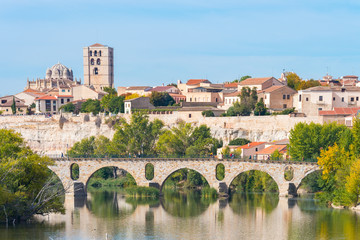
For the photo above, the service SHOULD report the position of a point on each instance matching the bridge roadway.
(164, 167)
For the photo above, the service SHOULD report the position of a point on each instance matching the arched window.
(98, 61)
(90, 53)
(95, 53)
(100, 53)
(96, 71)
(92, 61)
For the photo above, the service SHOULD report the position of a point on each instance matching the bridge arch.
(95, 169)
(248, 170)
(308, 173)
(171, 172)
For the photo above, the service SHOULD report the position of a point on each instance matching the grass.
(142, 192)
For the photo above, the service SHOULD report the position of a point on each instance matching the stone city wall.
(56, 134)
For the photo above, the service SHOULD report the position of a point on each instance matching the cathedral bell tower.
(98, 66)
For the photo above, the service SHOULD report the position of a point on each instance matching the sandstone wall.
(54, 136)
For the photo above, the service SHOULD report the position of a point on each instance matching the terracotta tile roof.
(31, 90)
(97, 45)
(350, 76)
(177, 95)
(233, 94)
(275, 88)
(161, 88)
(46, 98)
(251, 145)
(197, 81)
(64, 96)
(231, 85)
(138, 88)
(271, 149)
(339, 111)
(255, 81)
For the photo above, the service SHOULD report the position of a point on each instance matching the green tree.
(91, 106)
(111, 102)
(239, 141)
(356, 134)
(13, 106)
(260, 108)
(247, 104)
(27, 186)
(137, 137)
(184, 139)
(208, 113)
(307, 140)
(69, 107)
(161, 99)
(276, 155)
(92, 147)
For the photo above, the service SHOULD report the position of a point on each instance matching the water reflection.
(185, 215)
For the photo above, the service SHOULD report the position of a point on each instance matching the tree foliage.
(137, 137)
(186, 140)
(13, 106)
(208, 113)
(260, 108)
(91, 106)
(239, 141)
(112, 102)
(69, 107)
(247, 104)
(161, 99)
(296, 83)
(27, 186)
(307, 140)
(241, 79)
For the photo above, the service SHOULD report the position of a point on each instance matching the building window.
(320, 98)
(189, 115)
(47, 105)
(287, 96)
(256, 149)
(284, 96)
(54, 105)
(342, 99)
(62, 101)
(190, 99)
(357, 98)
(92, 61)
(333, 98)
(352, 99)
(63, 90)
(215, 99)
(307, 99)
(284, 106)
(68, 100)
(319, 109)
(98, 61)
(96, 71)
(299, 98)
(90, 53)
(100, 53)
(95, 53)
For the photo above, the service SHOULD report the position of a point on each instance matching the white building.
(311, 100)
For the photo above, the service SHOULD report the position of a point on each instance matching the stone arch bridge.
(164, 167)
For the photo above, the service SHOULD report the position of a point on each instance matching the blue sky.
(162, 41)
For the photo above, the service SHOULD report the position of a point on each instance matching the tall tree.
(248, 99)
(13, 106)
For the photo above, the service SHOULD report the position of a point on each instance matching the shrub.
(208, 113)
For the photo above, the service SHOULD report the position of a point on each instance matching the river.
(109, 215)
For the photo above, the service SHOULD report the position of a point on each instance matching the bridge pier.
(287, 189)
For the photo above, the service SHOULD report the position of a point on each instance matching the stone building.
(98, 66)
(55, 76)
(7, 101)
(277, 97)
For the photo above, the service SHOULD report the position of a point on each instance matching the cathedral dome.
(48, 73)
(59, 71)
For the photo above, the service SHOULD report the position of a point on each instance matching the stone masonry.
(163, 168)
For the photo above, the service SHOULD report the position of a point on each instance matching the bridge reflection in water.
(251, 216)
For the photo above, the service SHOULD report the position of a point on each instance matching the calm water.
(188, 216)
